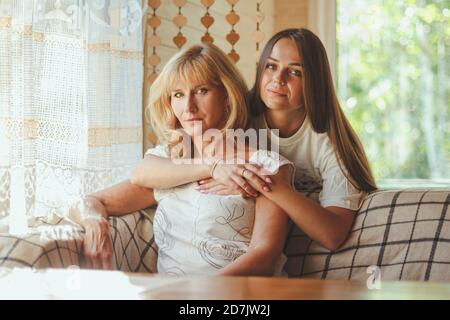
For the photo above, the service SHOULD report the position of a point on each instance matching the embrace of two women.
(229, 213)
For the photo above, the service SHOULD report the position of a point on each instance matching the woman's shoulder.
(309, 136)
(310, 144)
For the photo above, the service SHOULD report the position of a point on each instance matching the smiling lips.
(275, 92)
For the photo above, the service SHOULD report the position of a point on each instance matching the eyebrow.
(193, 88)
(298, 64)
(201, 85)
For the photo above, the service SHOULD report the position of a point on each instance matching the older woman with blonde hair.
(198, 90)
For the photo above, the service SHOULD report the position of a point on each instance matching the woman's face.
(198, 107)
(281, 86)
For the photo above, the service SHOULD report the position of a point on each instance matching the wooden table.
(90, 284)
(237, 288)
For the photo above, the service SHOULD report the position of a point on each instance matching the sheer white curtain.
(71, 77)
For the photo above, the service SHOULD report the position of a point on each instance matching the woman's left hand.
(253, 174)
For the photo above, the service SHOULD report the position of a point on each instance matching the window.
(392, 75)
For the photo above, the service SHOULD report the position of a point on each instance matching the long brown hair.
(321, 105)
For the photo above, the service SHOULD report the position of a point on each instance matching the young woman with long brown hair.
(294, 93)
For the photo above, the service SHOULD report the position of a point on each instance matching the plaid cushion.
(51, 242)
(133, 242)
(56, 242)
(406, 234)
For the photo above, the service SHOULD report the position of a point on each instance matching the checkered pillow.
(51, 242)
(133, 242)
(406, 234)
(55, 242)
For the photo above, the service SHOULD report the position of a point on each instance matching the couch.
(396, 235)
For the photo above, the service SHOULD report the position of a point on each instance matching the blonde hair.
(197, 64)
(321, 104)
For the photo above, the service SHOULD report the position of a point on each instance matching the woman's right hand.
(97, 246)
(234, 179)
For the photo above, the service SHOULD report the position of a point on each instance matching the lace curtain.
(71, 75)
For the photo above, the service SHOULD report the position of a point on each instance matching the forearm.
(253, 263)
(319, 223)
(160, 173)
(120, 199)
(123, 198)
(266, 246)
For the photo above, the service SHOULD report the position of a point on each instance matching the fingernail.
(266, 189)
(268, 180)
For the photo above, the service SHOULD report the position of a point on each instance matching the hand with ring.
(230, 179)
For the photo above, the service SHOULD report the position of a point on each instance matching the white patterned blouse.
(198, 233)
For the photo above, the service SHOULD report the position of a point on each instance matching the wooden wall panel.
(291, 14)
(194, 30)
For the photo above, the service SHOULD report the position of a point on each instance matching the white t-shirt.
(317, 169)
(197, 233)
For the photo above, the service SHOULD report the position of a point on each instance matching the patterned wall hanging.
(233, 37)
(180, 21)
(207, 20)
(258, 35)
(153, 41)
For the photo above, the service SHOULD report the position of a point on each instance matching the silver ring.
(243, 172)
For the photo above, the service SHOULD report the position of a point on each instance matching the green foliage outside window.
(393, 82)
